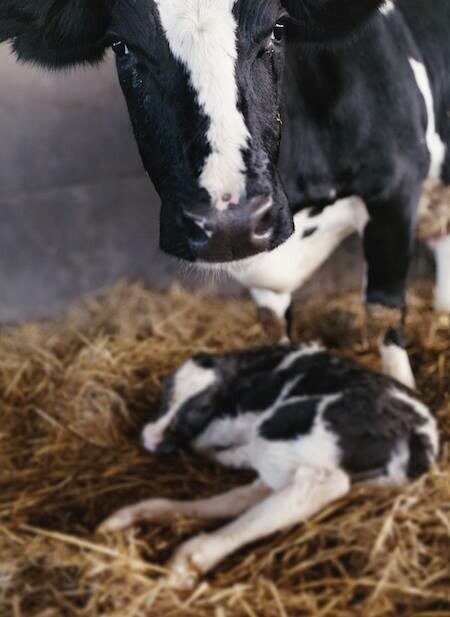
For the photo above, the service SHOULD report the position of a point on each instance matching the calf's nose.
(240, 231)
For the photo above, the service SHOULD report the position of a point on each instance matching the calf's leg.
(311, 490)
(227, 505)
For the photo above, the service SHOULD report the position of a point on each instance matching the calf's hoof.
(189, 562)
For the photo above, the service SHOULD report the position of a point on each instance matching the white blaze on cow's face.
(202, 36)
(190, 380)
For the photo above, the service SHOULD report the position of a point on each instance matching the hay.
(73, 396)
(434, 213)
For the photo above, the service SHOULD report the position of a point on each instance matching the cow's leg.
(388, 242)
(310, 491)
(227, 505)
(441, 250)
(274, 313)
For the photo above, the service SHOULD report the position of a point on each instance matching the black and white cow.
(209, 84)
(308, 422)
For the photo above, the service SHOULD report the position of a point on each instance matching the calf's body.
(307, 422)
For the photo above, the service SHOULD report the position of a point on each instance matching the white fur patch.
(190, 379)
(398, 465)
(430, 428)
(228, 432)
(441, 250)
(202, 36)
(276, 302)
(387, 8)
(435, 144)
(396, 364)
(289, 266)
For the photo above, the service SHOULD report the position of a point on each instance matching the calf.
(308, 422)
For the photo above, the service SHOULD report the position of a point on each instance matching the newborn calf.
(308, 422)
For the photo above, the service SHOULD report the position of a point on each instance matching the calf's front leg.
(227, 505)
(311, 490)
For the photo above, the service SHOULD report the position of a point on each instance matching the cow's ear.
(328, 21)
(57, 33)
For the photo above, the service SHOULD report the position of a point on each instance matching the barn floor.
(73, 396)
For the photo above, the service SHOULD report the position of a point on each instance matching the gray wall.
(76, 208)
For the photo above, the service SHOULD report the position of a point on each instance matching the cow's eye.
(120, 49)
(278, 32)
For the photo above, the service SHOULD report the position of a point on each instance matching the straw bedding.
(73, 397)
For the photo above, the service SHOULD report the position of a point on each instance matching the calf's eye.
(120, 49)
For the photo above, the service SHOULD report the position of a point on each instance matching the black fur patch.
(291, 420)
(309, 232)
(57, 34)
(420, 455)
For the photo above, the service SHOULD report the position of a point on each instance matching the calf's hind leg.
(227, 505)
(311, 490)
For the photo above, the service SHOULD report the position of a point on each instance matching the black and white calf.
(308, 422)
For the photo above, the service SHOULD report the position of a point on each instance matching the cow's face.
(202, 80)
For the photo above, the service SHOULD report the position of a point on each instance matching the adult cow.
(203, 80)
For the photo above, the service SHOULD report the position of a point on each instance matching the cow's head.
(202, 80)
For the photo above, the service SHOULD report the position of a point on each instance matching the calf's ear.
(56, 33)
(328, 21)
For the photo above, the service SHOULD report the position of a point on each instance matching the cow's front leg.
(388, 243)
(384, 329)
(227, 505)
(311, 490)
(275, 313)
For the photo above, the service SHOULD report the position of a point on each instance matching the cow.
(310, 424)
(211, 85)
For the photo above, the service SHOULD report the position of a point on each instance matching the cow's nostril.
(264, 227)
(262, 224)
(198, 230)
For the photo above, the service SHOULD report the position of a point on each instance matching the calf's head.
(203, 82)
(191, 401)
